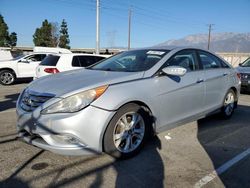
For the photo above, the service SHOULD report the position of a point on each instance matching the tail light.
(51, 70)
(239, 76)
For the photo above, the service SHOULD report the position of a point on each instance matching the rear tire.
(229, 104)
(127, 132)
(7, 77)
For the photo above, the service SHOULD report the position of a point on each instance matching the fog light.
(70, 139)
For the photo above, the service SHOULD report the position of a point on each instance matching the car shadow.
(223, 140)
(143, 170)
(23, 81)
(9, 102)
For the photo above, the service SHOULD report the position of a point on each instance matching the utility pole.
(209, 35)
(129, 26)
(97, 50)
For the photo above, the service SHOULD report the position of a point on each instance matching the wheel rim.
(229, 103)
(7, 78)
(129, 132)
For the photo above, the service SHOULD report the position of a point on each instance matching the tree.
(5, 38)
(64, 36)
(43, 35)
(3, 32)
(12, 39)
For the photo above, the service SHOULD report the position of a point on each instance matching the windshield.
(18, 57)
(131, 61)
(246, 63)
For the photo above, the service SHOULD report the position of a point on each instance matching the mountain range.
(220, 42)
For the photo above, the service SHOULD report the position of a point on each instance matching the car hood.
(243, 69)
(6, 62)
(70, 82)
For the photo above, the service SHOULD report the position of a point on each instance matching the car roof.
(171, 48)
(77, 54)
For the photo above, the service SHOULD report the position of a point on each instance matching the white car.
(20, 67)
(55, 63)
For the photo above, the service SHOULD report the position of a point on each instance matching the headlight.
(75, 102)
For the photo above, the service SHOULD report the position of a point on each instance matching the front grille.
(31, 100)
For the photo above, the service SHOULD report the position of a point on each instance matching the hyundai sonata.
(114, 105)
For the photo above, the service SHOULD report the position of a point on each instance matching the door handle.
(199, 81)
(225, 74)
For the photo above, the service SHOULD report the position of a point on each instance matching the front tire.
(127, 131)
(229, 104)
(7, 77)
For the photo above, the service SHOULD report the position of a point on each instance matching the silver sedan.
(115, 105)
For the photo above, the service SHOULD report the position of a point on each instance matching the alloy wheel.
(7, 78)
(129, 132)
(229, 104)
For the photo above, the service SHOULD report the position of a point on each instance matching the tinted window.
(75, 62)
(185, 58)
(85, 61)
(97, 58)
(131, 61)
(246, 63)
(223, 64)
(209, 61)
(43, 56)
(50, 60)
(35, 58)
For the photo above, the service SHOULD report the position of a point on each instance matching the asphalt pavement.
(211, 152)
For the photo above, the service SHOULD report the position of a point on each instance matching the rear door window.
(76, 62)
(209, 61)
(35, 58)
(97, 58)
(50, 60)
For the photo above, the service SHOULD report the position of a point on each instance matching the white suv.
(55, 63)
(21, 67)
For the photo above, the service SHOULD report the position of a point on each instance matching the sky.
(152, 22)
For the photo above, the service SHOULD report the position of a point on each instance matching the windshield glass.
(18, 57)
(131, 61)
(246, 63)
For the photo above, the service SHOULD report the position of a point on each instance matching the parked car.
(63, 62)
(113, 106)
(244, 70)
(21, 67)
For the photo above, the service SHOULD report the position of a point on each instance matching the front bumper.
(79, 133)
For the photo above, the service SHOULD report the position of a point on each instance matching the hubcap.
(129, 132)
(229, 103)
(7, 78)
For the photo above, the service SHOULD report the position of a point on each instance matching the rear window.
(85, 61)
(50, 60)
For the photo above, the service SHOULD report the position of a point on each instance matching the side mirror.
(240, 64)
(174, 70)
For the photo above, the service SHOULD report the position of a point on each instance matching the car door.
(216, 79)
(27, 66)
(180, 98)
